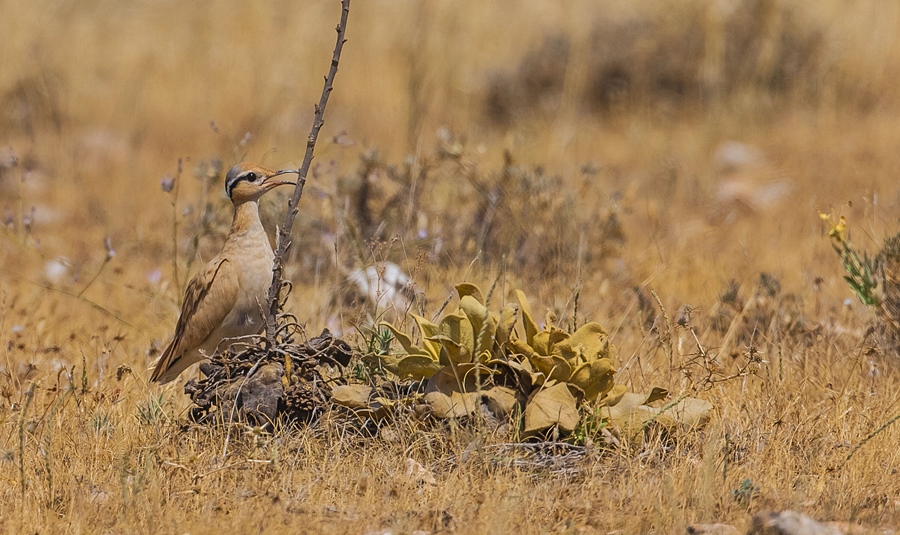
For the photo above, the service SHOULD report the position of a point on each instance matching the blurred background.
(590, 148)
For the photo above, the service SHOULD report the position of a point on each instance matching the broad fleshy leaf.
(589, 343)
(468, 288)
(484, 327)
(531, 327)
(614, 396)
(457, 329)
(519, 347)
(595, 378)
(405, 341)
(632, 412)
(459, 378)
(352, 396)
(502, 400)
(554, 406)
(417, 367)
(451, 392)
(428, 329)
(552, 366)
(509, 314)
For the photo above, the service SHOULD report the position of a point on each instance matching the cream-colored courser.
(225, 299)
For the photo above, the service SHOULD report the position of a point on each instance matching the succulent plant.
(473, 356)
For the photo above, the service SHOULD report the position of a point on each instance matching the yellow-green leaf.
(453, 405)
(451, 392)
(552, 366)
(595, 378)
(352, 396)
(519, 347)
(502, 401)
(541, 343)
(532, 376)
(509, 314)
(520, 372)
(428, 329)
(590, 342)
(531, 327)
(459, 378)
(468, 288)
(456, 337)
(483, 325)
(417, 367)
(555, 337)
(404, 339)
(553, 406)
(614, 396)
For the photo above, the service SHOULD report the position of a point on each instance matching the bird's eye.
(251, 177)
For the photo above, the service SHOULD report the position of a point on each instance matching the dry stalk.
(665, 338)
(283, 241)
(93, 304)
(29, 396)
(869, 437)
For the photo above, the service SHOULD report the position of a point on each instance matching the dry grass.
(612, 185)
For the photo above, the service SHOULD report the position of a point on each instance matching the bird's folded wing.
(209, 298)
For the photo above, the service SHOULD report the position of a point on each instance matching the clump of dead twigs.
(258, 384)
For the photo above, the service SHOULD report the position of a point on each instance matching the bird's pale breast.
(255, 273)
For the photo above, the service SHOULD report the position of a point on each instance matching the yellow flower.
(838, 232)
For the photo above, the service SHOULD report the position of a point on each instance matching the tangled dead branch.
(252, 383)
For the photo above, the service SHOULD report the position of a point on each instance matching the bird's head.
(249, 181)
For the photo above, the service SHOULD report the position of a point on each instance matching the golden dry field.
(655, 166)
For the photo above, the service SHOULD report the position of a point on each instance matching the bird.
(225, 298)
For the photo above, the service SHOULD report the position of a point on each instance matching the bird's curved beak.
(269, 183)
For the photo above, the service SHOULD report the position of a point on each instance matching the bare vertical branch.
(283, 240)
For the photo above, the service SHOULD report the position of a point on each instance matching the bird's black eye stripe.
(250, 177)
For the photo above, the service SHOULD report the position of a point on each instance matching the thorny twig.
(284, 233)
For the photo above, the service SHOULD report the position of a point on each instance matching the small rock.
(385, 286)
(262, 393)
(734, 155)
(57, 269)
